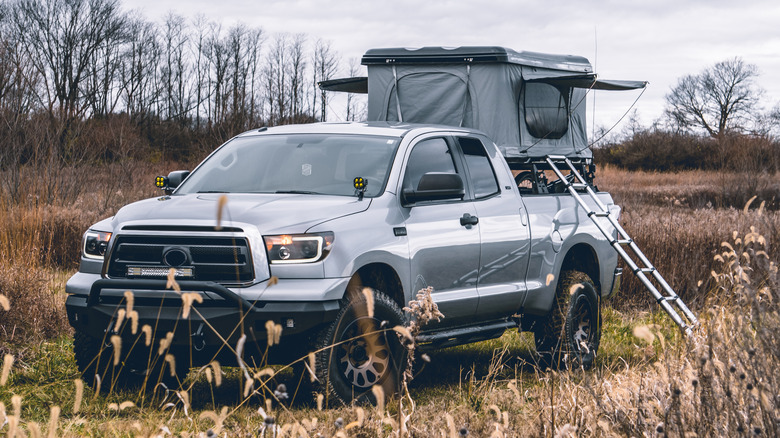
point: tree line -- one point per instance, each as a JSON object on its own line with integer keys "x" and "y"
{"x": 69, "y": 64}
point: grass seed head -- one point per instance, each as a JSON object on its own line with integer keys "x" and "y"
{"x": 129, "y": 300}
{"x": 368, "y": 293}
{"x": 171, "y": 364}
{"x": 217, "y": 372}
{"x": 54, "y": 418}
{"x": 116, "y": 342}
{"x": 4, "y": 303}
{"x": 8, "y": 361}
{"x": 165, "y": 343}
{"x": 79, "y": 384}
{"x": 147, "y": 331}
{"x": 172, "y": 284}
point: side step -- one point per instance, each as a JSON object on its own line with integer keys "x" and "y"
{"x": 464, "y": 335}
{"x": 620, "y": 240}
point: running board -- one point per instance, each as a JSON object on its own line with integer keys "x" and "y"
{"x": 463, "y": 335}
{"x": 620, "y": 240}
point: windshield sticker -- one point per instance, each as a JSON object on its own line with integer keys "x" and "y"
{"x": 306, "y": 169}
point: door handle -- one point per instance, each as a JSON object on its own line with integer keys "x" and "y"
{"x": 468, "y": 220}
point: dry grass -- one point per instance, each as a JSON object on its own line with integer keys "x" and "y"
{"x": 43, "y": 214}
{"x": 680, "y": 239}
{"x": 647, "y": 380}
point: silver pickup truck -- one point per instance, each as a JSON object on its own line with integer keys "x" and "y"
{"x": 437, "y": 207}
{"x": 323, "y": 233}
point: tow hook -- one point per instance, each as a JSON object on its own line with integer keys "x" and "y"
{"x": 198, "y": 340}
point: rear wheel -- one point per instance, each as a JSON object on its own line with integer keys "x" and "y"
{"x": 359, "y": 351}
{"x": 571, "y": 333}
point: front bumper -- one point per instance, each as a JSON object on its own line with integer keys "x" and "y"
{"x": 94, "y": 306}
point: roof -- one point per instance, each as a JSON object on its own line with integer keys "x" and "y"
{"x": 476, "y": 54}
{"x": 387, "y": 129}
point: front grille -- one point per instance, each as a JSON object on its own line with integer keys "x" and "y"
{"x": 220, "y": 259}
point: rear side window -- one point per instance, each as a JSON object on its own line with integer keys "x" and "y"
{"x": 432, "y": 155}
{"x": 483, "y": 179}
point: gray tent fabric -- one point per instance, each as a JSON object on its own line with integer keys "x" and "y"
{"x": 531, "y": 104}
{"x": 448, "y": 103}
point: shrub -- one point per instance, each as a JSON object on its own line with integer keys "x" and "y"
{"x": 658, "y": 150}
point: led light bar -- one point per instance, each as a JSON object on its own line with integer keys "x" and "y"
{"x": 148, "y": 271}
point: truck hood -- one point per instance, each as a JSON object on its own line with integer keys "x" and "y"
{"x": 271, "y": 213}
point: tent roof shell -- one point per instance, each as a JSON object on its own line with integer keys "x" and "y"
{"x": 476, "y": 54}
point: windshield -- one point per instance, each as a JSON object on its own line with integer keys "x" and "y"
{"x": 301, "y": 163}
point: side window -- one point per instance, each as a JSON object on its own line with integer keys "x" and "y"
{"x": 432, "y": 155}
{"x": 546, "y": 110}
{"x": 483, "y": 179}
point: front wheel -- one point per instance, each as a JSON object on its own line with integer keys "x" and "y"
{"x": 570, "y": 334}
{"x": 136, "y": 367}
{"x": 359, "y": 351}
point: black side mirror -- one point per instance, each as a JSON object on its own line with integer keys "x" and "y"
{"x": 170, "y": 182}
{"x": 436, "y": 186}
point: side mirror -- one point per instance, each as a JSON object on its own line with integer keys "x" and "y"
{"x": 435, "y": 186}
{"x": 170, "y": 182}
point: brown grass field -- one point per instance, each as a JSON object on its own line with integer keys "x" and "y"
{"x": 648, "y": 379}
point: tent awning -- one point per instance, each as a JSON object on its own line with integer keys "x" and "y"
{"x": 591, "y": 81}
{"x": 349, "y": 85}
{"x": 360, "y": 84}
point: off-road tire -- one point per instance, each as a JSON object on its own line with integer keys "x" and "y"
{"x": 346, "y": 369}
{"x": 95, "y": 358}
{"x": 570, "y": 334}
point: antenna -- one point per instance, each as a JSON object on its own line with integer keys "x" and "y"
{"x": 595, "y": 68}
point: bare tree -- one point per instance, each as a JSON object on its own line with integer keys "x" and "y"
{"x": 139, "y": 69}
{"x": 175, "y": 70}
{"x": 275, "y": 79}
{"x": 325, "y": 64}
{"x": 62, "y": 38}
{"x": 201, "y": 65}
{"x": 102, "y": 89}
{"x": 718, "y": 100}
{"x": 297, "y": 70}
{"x": 254, "y": 44}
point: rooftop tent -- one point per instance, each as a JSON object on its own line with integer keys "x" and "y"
{"x": 531, "y": 104}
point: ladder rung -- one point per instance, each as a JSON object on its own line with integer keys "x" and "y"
{"x": 556, "y": 157}
{"x": 670, "y": 299}
{"x": 621, "y": 242}
{"x": 598, "y": 213}
{"x": 645, "y": 270}
{"x": 578, "y": 186}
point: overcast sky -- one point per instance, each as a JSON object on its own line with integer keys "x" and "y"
{"x": 658, "y": 41}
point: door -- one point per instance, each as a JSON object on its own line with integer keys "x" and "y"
{"x": 503, "y": 229}
{"x": 443, "y": 240}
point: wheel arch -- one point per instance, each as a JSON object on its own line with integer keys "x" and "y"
{"x": 382, "y": 277}
{"x": 583, "y": 257}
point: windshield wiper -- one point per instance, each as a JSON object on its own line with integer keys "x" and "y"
{"x": 297, "y": 192}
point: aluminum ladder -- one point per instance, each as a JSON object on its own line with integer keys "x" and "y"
{"x": 665, "y": 296}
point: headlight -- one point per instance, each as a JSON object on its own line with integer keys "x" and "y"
{"x": 95, "y": 244}
{"x": 298, "y": 248}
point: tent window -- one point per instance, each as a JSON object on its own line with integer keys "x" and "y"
{"x": 431, "y": 97}
{"x": 546, "y": 110}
